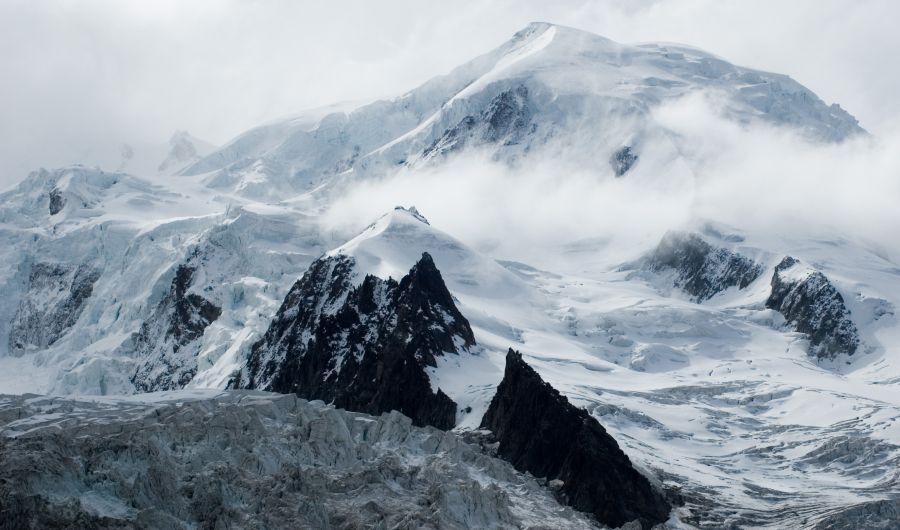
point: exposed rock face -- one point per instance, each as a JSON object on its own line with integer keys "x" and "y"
{"x": 701, "y": 270}
{"x": 812, "y": 305}
{"x": 250, "y": 460}
{"x": 54, "y": 301}
{"x": 57, "y": 201}
{"x": 622, "y": 160}
{"x": 168, "y": 339}
{"x": 505, "y": 121}
{"x": 364, "y": 347}
{"x": 539, "y": 431}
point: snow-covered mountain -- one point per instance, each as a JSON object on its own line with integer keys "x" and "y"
{"x": 550, "y": 90}
{"x": 754, "y": 377}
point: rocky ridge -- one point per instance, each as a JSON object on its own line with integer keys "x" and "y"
{"x": 363, "y": 347}
{"x": 539, "y": 431}
{"x": 812, "y": 305}
{"x": 699, "y": 268}
{"x": 56, "y": 297}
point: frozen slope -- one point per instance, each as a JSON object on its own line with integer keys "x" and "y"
{"x": 720, "y": 397}
{"x": 546, "y": 91}
{"x": 130, "y": 237}
{"x": 724, "y": 398}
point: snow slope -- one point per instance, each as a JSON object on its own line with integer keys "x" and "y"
{"x": 699, "y": 392}
{"x": 720, "y": 397}
{"x": 549, "y": 90}
{"x": 134, "y": 235}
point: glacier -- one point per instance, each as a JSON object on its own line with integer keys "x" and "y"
{"x": 171, "y": 275}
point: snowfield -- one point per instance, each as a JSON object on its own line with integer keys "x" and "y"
{"x": 716, "y": 395}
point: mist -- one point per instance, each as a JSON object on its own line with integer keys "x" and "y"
{"x": 773, "y": 183}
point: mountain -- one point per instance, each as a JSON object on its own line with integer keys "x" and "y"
{"x": 758, "y": 390}
{"x": 144, "y": 252}
{"x": 541, "y": 93}
{"x": 363, "y": 347}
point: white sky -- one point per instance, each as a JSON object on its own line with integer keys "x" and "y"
{"x": 90, "y": 75}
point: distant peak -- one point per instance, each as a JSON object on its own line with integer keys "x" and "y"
{"x": 532, "y": 28}
{"x": 535, "y": 29}
{"x": 413, "y": 212}
{"x": 180, "y": 136}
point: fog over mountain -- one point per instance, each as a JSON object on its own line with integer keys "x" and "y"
{"x": 87, "y": 77}
{"x": 566, "y": 274}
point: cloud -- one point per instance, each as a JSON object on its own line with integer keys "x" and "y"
{"x": 773, "y": 181}
{"x": 510, "y": 212}
{"x": 83, "y": 77}
{"x": 763, "y": 180}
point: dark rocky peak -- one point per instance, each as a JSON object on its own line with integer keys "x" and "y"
{"x": 812, "y": 305}
{"x": 700, "y": 269}
{"x": 431, "y": 322}
{"x": 622, "y": 160}
{"x": 168, "y": 341}
{"x": 363, "y": 347}
{"x": 539, "y": 431}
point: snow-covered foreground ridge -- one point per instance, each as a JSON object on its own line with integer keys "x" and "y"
{"x": 764, "y": 388}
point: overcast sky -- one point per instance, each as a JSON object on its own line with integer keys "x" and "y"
{"x": 82, "y": 76}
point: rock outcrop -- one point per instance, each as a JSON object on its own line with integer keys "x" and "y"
{"x": 700, "y": 269}
{"x": 363, "y": 347}
{"x": 57, "y": 201}
{"x": 167, "y": 340}
{"x": 622, "y": 160}
{"x": 506, "y": 120}
{"x": 52, "y": 303}
{"x": 182, "y": 151}
{"x": 812, "y": 305}
{"x": 539, "y": 431}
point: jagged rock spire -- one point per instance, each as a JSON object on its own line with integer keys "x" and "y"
{"x": 539, "y": 431}
{"x": 363, "y": 347}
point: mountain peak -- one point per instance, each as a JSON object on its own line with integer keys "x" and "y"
{"x": 539, "y": 431}
{"x": 538, "y": 28}
{"x": 531, "y": 94}
{"x": 413, "y": 212}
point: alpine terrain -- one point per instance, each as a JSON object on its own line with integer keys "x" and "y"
{"x": 207, "y": 341}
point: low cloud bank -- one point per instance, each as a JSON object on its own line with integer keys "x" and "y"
{"x": 764, "y": 180}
